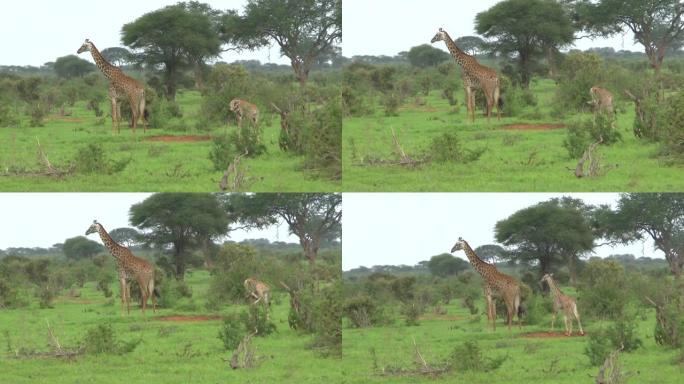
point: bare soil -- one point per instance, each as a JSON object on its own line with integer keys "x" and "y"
{"x": 191, "y": 319}
{"x": 179, "y": 138}
{"x": 533, "y": 127}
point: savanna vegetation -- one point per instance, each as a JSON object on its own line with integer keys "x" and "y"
{"x": 61, "y": 315}
{"x": 428, "y": 322}
{"x": 406, "y": 125}
{"x": 56, "y": 132}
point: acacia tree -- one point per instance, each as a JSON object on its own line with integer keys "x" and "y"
{"x": 545, "y": 233}
{"x": 72, "y": 66}
{"x": 312, "y": 217}
{"x": 80, "y": 247}
{"x": 525, "y": 29}
{"x": 117, "y": 55}
{"x": 446, "y": 265}
{"x": 183, "y": 221}
{"x": 126, "y": 236}
{"x": 472, "y": 45}
{"x": 425, "y": 55}
{"x": 303, "y": 29}
{"x": 659, "y": 216}
{"x": 174, "y": 37}
{"x": 491, "y": 253}
{"x": 656, "y": 24}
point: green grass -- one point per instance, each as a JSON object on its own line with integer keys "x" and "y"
{"x": 154, "y": 166}
{"x": 530, "y": 360}
{"x": 515, "y": 160}
{"x": 158, "y": 359}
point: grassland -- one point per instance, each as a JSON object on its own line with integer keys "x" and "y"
{"x": 529, "y": 360}
{"x": 155, "y": 165}
{"x": 170, "y": 352}
{"x": 514, "y": 160}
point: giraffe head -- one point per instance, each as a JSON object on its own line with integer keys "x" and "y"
{"x": 547, "y": 277}
{"x": 93, "y": 228}
{"x": 87, "y": 45}
{"x": 460, "y": 244}
{"x": 441, "y": 35}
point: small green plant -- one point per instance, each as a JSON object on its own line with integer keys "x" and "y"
{"x": 102, "y": 340}
{"x": 391, "y": 101}
{"x": 232, "y": 332}
{"x": 447, "y": 148}
{"x": 412, "y": 312}
{"x": 469, "y": 357}
{"x": 93, "y": 158}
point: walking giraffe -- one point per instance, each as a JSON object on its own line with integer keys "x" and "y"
{"x": 119, "y": 84}
{"x": 474, "y": 75}
{"x": 496, "y": 284}
{"x": 564, "y": 302}
{"x": 128, "y": 267}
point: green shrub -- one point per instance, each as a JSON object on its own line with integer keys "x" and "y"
{"x": 577, "y": 139}
{"x": 577, "y": 74}
{"x": 232, "y": 332}
{"x": 222, "y": 153}
{"x": 102, "y": 340}
{"x": 356, "y": 102}
{"x": 469, "y": 357}
{"x": 602, "y": 292}
{"x": 620, "y": 335}
{"x": 93, "y": 158}
{"x": 327, "y": 338}
{"x": 391, "y": 101}
{"x": 323, "y": 140}
{"x": 412, "y": 312}
{"x": 447, "y": 148}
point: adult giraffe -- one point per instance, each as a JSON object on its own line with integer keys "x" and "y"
{"x": 474, "y": 75}
{"x": 119, "y": 85}
{"x": 128, "y": 267}
{"x": 496, "y": 284}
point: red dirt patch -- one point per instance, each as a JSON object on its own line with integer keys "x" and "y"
{"x": 179, "y": 138}
{"x": 528, "y": 127}
{"x": 550, "y": 334}
{"x": 67, "y": 119}
{"x": 191, "y": 319}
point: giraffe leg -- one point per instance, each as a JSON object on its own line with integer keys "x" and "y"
{"x": 565, "y": 319}
{"x": 115, "y": 115}
{"x": 134, "y": 111}
{"x": 553, "y": 320}
{"x": 579, "y": 323}
{"x": 497, "y": 96}
{"x": 491, "y": 311}
{"x": 128, "y": 298}
{"x": 150, "y": 292}
{"x": 471, "y": 103}
{"x": 141, "y": 112}
{"x": 516, "y": 309}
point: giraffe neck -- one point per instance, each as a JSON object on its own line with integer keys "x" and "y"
{"x": 106, "y": 68}
{"x": 555, "y": 291}
{"x": 461, "y": 57}
{"x": 113, "y": 246}
{"x": 480, "y": 266}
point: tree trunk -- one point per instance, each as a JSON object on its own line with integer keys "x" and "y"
{"x": 170, "y": 83}
{"x": 572, "y": 270}
{"x": 524, "y": 71}
{"x": 179, "y": 260}
{"x": 301, "y": 71}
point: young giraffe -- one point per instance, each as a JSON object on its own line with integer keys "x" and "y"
{"x": 128, "y": 267}
{"x": 258, "y": 290}
{"x": 121, "y": 84}
{"x": 564, "y": 302}
{"x": 602, "y": 100}
{"x": 496, "y": 283}
{"x": 474, "y": 75}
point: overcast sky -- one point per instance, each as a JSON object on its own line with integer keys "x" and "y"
{"x": 37, "y": 31}
{"x": 387, "y": 27}
{"x": 406, "y": 228}
{"x": 43, "y": 219}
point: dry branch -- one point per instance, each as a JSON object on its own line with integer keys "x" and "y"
{"x": 243, "y": 356}
{"x": 234, "y": 177}
{"x": 594, "y": 162}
